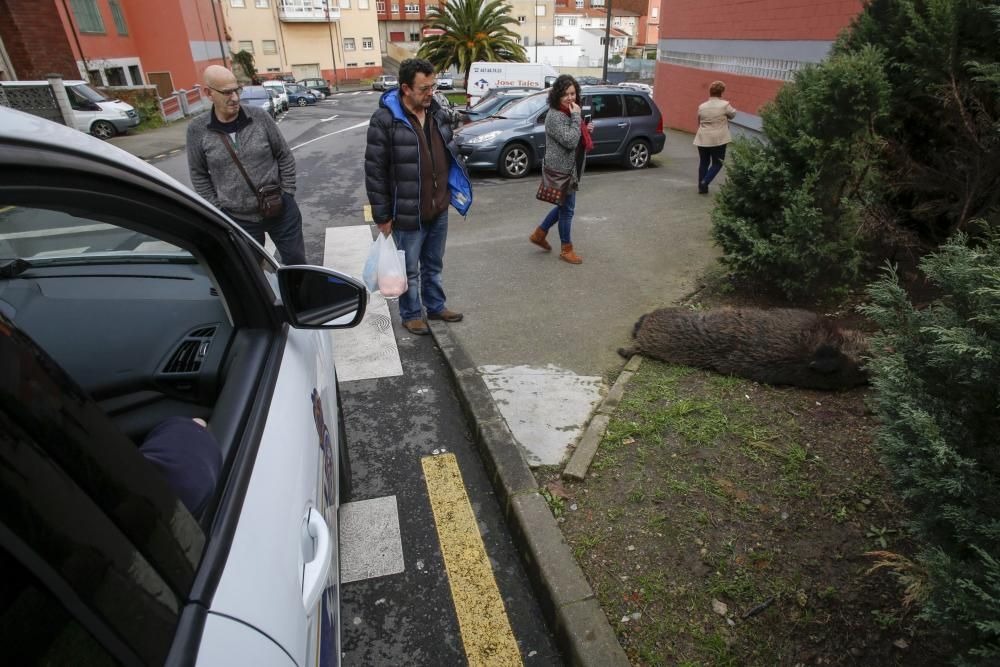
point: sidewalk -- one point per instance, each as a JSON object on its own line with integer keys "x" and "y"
{"x": 172, "y": 137}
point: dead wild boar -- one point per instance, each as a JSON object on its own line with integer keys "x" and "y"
{"x": 779, "y": 346}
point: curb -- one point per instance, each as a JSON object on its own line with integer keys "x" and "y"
{"x": 584, "y": 453}
{"x": 571, "y": 610}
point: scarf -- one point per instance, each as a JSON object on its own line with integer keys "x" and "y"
{"x": 588, "y": 143}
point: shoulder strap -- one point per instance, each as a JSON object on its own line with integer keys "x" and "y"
{"x": 232, "y": 153}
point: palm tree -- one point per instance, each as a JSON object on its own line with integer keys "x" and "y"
{"x": 473, "y": 30}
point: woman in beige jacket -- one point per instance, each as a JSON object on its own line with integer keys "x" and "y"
{"x": 713, "y": 134}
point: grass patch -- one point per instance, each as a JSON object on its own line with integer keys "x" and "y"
{"x": 718, "y": 491}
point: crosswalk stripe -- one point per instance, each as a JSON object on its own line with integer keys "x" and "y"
{"x": 368, "y": 350}
{"x": 482, "y": 618}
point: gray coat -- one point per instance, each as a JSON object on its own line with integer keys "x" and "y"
{"x": 562, "y": 143}
{"x": 262, "y": 150}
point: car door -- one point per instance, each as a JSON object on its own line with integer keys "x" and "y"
{"x": 262, "y": 563}
{"x": 610, "y": 125}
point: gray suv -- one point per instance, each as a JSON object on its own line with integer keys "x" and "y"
{"x": 628, "y": 128}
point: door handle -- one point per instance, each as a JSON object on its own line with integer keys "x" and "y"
{"x": 316, "y": 567}
{"x": 622, "y": 124}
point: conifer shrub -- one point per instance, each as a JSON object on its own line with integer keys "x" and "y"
{"x": 936, "y": 374}
{"x": 789, "y": 212}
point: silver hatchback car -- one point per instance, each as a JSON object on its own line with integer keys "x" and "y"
{"x": 628, "y": 128}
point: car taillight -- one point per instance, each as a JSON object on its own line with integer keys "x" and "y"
{"x": 659, "y": 125}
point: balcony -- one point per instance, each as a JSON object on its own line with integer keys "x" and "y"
{"x": 308, "y": 10}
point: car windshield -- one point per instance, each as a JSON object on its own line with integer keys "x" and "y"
{"x": 526, "y": 106}
{"x": 48, "y": 236}
{"x": 255, "y": 94}
{"x": 89, "y": 94}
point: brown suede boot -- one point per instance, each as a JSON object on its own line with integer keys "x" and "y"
{"x": 538, "y": 238}
{"x": 567, "y": 254}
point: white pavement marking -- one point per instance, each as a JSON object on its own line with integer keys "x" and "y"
{"x": 370, "y": 543}
{"x": 60, "y": 231}
{"x": 323, "y": 120}
{"x": 368, "y": 350}
{"x": 345, "y": 129}
{"x": 546, "y": 408}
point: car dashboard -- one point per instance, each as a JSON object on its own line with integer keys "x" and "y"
{"x": 145, "y": 338}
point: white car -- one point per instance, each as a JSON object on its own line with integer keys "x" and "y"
{"x": 126, "y": 299}
{"x": 445, "y": 82}
{"x": 92, "y": 111}
{"x": 279, "y": 87}
{"x": 385, "y": 82}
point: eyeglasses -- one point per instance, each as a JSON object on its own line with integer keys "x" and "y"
{"x": 424, "y": 89}
{"x": 229, "y": 91}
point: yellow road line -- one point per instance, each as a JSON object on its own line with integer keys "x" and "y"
{"x": 486, "y": 632}
{"x": 368, "y": 213}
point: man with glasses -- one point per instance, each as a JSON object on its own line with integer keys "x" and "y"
{"x": 254, "y": 138}
{"x": 412, "y": 174}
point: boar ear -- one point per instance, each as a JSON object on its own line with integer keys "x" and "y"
{"x": 826, "y": 360}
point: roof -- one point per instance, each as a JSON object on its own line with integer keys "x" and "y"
{"x": 593, "y": 13}
{"x": 615, "y": 32}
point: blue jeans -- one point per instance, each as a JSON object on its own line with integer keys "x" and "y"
{"x": 710, "y": 163}
{"x": 286, "y": 232}
{"x": 564, "y": 214}
{"x": 424, "y": 249}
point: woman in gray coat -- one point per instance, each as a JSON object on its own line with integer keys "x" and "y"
{"x": 567, "y": 139}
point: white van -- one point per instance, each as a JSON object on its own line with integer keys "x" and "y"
{"x": 484, "y": 76}
{"x": 279, "y": 87}
{"x": 92, "y": 111}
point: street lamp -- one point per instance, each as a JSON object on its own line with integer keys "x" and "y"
{"x": 607, "y": 43}
{"x": 333, "y": 51}
{"x": 536, "y": 31}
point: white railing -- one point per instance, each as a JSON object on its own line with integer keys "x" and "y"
{"x": 304, "y": 10}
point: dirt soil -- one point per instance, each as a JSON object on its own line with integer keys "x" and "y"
{"x": 728, "y": 523}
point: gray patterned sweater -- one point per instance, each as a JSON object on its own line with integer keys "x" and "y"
{"x": 562, "y": 142}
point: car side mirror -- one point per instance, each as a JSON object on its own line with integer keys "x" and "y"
{"x": 319, "y": 298}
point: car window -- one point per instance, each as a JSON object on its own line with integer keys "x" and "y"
{"x": 526, "y": 106}
{"x": 636, "y": 105}
{"x": 50, "y": 236}
{"x": 46, "y": 633}
{"x": 606, "y": 105}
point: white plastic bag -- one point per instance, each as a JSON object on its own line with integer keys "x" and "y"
{"x": 370, "y": 274}
{"x": 391, "y": 269}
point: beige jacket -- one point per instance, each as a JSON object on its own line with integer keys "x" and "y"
{"x": 713, "y": 122}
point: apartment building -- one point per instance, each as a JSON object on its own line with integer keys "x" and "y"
{"x": 337, "y": 41}
{"x": 648, "y": 19}
{"x": 754, "y": 46}
{"x": 112, "y": 42}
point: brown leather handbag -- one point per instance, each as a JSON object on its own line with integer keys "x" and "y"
{"x": 554, "y": 186}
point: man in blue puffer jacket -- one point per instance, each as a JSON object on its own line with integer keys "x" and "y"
{"x": 412, "y": 174}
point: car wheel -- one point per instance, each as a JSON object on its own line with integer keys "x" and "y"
{"x": 637, "y": 154}
{"x": 515, "y": 162}
{"x": 102, "y": 129}
{"x": 302, "y": 102}
{"x": 344, "y": 458}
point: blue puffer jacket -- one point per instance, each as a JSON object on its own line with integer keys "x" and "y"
{"x": 392, "y": 165}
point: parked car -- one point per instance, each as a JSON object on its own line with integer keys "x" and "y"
{"x": 275, "y": 99}
{"x": 126, "y": 299}
{"x": 322, "y": 85}
{"x": 93, "y": 112}
{"x": 493, "y": 105}
{"x": 279, "y": 87}
{"x": 445, "y": 82}
{"x": 385, "y": 82}
{"x": 628, "y": 127}
{"x": 299, "y": 95}
{"x": 259, "y": 96}
{"x": 590, "y": 81}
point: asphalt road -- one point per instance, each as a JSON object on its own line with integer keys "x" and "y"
{"x": 392, "y": 423}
